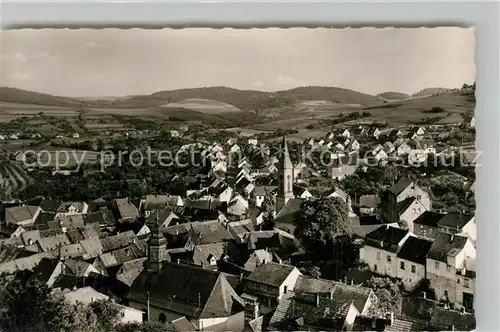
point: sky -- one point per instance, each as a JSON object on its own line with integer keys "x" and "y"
{"x": 117, "y": 62}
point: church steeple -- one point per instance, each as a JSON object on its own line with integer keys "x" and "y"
{"x": 157, "y": 244}
{"x": 285, "y": 177}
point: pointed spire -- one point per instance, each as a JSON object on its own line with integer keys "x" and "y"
{"x": 285, "y": 161}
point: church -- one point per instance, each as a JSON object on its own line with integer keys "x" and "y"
{"x": 166, "y": 291}
{"x": 289, "y": 197}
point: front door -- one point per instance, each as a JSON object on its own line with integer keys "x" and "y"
{"x": 468, "y": 301}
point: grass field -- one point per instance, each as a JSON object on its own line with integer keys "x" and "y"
{"x": 204, "y": 106}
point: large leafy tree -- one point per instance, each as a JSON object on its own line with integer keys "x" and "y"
{"x": 389, "y": 295}
{"x": 322, "y": 221}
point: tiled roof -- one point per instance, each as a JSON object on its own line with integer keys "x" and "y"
{"x": 92, "y": 247}
{"x": 187, "y": 290}
{"x": 71, "y": 221}
{"x": 386, "y": 237}
{"x": 290, "y": 211}
{"x": 401, "y": 185}
{"x": 311, "y": 285}
{"x": 72, "y": 250}
{"x": 130, "y": 270}
{"x": 76, "y": 266}
{"x": 101, "y": 217}
{"x": 53, "y": 242}
{"x": 84, "y": 295}
{"x": 126, "y": 208}
{"x": 454, "y": 220}
{"x": 203, "y": 253}
{"x": 49, "y": 205}
{"x": 446, "y": 318}
{"x": 30, "y": 237}
{"x": 271, "y": 274}
{"x": 429, "y": 218}
{"x": 445, "y": 245}
{"x": 18, "y": 214}
{"x": 118, "y": 241}
{"x": 302, "y": 314}
{"x": 415, "y": 250}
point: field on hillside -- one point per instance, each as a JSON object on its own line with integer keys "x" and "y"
{"x": 64, "y": 158}
{"x": 204, "y": 106}
{"x": 413, "y": 110}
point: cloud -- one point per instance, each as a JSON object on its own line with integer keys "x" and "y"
{"x": 287, "y": 80}
{"x": 20, "y": 76}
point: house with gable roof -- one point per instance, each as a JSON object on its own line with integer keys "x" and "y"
{"x": 168, "y": 291}
{"x": 381, "y": 248}
{"x": 271, "y": 281}
{"x": 411, "y": 260}
{"x": 401, "y": 193}
{"x": 22, "y": 215}
{"x": 449, "y": 256}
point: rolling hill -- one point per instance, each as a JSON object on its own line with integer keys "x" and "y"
{"x": 19, "y": 96}
{"x": 429, "y": 92}
{"x": 390, "y": 95}
{"x": 242, "y": 99}
{"x": 338, "y": 95}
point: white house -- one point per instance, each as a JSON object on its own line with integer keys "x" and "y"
{"x": 449, "y": 256}
{"x": 253, "y": 141}
{"x": 403, "y": 149}
{"x": 71, "y": 208}
{"x": 270, "y": 281}
{"x": 411, "y": 261}
{"x": 381, "y": 248}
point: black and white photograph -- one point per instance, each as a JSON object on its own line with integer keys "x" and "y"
{"x": 252, "y": 180}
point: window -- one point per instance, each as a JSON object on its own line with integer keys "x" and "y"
{"x": 402, "y": 265}
{"x": 413, "y": 269}
{"x": 414, "y": 211}
{"x": 378, "y": 255}
{"x": 375, "y": 268}
{"x": 162, "y": 318}
{"x": 466, "y": 282}
{"x": 448, "y": 268}
{"x": 285, "y": 289}
{"x": 436, "y": 265}
{"x": 419, "y": 197}
{"x": 388, "y": 259}
{"x": 418, "y": 210}
{"x": 458, "y": 281}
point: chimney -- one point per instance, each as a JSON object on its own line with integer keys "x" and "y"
{"x": 452, "y": 328}
{"x": 425, "y": 295}
{"x": 391, "y": 318}
{"x": 178, "y": 260}
{"x": 352, "y": 282}
{"x": 317, "y": 300}
{"x": 241, "y": 277}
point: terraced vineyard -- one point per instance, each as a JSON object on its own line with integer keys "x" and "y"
{"x": 13, "y": 178}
